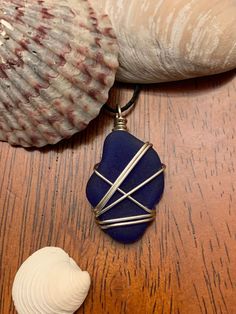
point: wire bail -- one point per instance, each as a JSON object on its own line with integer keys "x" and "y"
{"x": 120, "y": 123}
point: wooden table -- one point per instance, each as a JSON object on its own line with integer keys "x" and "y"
{"x": 186, "y": 261}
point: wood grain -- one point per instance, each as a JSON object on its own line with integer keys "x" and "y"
{"x": 185, "y": 263}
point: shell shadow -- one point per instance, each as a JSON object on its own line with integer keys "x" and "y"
{"x": 96, "y": 127}
{"x": 189, "y": 87}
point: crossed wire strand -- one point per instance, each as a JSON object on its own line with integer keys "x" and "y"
{"x": 101, "y": 208}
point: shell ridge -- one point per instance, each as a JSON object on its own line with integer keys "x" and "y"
{"x": 13, "y": 91}
{"x": 60, "y": 25}
{"x": 67, "y": 97}
{"x": 3, "y": 102}
{"x": 27, "y": 286}
{"x": 95, "y": 93}
{"x": 10, "y": 49}
{"x": 14, "y": 112}
{"x": 86, "y": 87}
{"x": 45, "y": 100}
{"x": 56, "y": 84}
{"x": 32, "y": 45}
{"x": 32, "y": 304}
{"x": 45, "y": 37}
{"x": 9, "y": 134}
{"x": 37, "y": 9}
{"x": 5, "y": 118}
{"x": 20, "y": 28}
{"x": 19, "y": 293}
{"x": 42, "y": 96}
{"x": 98, "y": 57}
{"x": 95, "y": 16}
{"x": 76, "y": 82}
{"x": 29, "y": 81}
{"x": 58, "y": 303}
{"x": 80, "y": 287}
{"x": 48, "y": 283}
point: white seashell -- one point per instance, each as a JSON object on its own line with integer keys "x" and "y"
{"x": 49, "y": 282}
{"x": 166, "y": 40}
{"x": 58, "y": 60}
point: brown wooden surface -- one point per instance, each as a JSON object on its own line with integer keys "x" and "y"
{"x": 186, "y": 261}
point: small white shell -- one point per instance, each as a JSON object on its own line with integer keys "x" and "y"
{"x": 49, "y": 282}
{"x": 58, "y": 60}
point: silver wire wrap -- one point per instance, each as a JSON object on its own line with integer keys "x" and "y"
{"x": 101, "y": 208}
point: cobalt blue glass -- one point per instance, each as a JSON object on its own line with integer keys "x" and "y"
{"x": 119, "y": 149}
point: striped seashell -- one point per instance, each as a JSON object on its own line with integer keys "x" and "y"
{"x": 49, "y": 282}
{"x": 58, "y": 62}
{"x": 169, "y": 40}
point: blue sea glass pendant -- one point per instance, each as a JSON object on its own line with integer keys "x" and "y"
{"x": 126, "y": 186}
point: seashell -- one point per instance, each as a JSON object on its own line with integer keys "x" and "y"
{"x": 58, "y": 62}
{"x": 172, "y": 40}
{"x": 49, "y": 282}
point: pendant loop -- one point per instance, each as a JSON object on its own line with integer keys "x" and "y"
{"x": 137, "y": 90}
